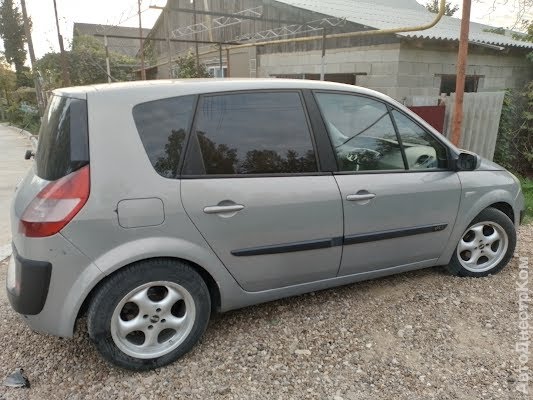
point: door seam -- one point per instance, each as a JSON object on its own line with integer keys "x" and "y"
{"x": 343, "y": 224}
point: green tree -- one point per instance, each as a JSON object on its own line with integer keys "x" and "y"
{"x": 514, "y": 148}
{"x": 8, "y": 82}
{"x": 87, "y": 64}
{"x": 12, "y": 32}
{"x": 434, "y": 7}
{"x": 186, "y": 68}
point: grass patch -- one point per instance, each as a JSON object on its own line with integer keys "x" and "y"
{"x": 527, "y": 188}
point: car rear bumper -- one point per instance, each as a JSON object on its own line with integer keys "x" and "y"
{"x": 27, "y": 284}
{"x": 48, "y": 280}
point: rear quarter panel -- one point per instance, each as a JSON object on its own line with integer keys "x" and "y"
{"x": 120, "y": 169}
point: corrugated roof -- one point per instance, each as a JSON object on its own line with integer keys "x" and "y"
{"x": 385, "y": 14}
{"x": 81, "y": 28}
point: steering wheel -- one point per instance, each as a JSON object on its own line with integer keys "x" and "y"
{"x": 425, "y": 161}
{"x": 361, "y": 156}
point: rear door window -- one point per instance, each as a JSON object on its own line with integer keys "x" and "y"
{"x": 251, "y": 133}
{"x": 63, "y": 138}
{"x": 163, "y": 126}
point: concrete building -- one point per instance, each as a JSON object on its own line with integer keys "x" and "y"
{"x": 401, "y": 65}
{"x": 128, "y": 44}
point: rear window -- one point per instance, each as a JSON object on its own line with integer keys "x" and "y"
{"x": 63, "y": 138}
{"x": 251, "y": 133}
{"x": 163, "y": 126}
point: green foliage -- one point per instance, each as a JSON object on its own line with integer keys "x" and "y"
{"x": 504, "y": 154}
{"x": 13, "y": 35}
{"x": 87, "y": 64}
{"x": 527, "y": 189}
{"x": 186, "y": 68}
{"x": 434, "y": 7}
{"x": 497, "y": 31}
{"x": 514, "y": 148}
{"x": 8, "y": 82}
{"x": 22, "y": 112}
{"x": 526, "y": 37}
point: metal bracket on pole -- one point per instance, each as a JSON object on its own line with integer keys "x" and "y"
{"x": 107, "y": 64}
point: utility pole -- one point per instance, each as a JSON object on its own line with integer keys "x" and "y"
{"x": 209, "y": 21}
{"x": 462, "y": 59}
{"x": 64, "y": 63}
{"x": 221, "y": 65}
{"x": 107, "y": 63}
{"x": 323, "y": 60}
{"x": 27, "y": 29}
{"x": 167, "y": 14}
{"x": 195, "y": 35}
{"x": 143, "y": 71}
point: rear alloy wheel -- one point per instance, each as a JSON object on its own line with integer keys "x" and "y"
{"x": 486, "y": 246}
{"x": 153, "y": 319}
{"x": 149, "y": 314}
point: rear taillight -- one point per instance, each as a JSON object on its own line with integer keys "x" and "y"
{"x": 56, "y": 205}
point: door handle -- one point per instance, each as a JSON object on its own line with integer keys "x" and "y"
{"x": 223, "y": 209}
{"x": 360, "y": 197}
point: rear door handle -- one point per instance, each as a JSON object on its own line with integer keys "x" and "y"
{"x": 223, "y": 209}
{"x": 360, "y": 197}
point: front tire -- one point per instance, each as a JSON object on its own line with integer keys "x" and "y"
{"x": 486, "y": 246}
{"x": 149, "y": 314}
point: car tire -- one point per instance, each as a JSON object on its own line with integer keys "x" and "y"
{"x": 486, "y": 246}
{"x": 149, "y": 314}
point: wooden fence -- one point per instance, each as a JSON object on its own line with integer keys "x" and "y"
{"x": 482, "y": 112}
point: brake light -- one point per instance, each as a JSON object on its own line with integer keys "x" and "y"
{"x": 57, "y": 204}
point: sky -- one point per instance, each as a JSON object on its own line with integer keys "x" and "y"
{"x": 124, "y": 12}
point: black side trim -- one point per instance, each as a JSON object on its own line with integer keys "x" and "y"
{"x": 396, "y": 233}
{"x": 337, "y": 241}
{"x": 289, "y": 247}
{"x": 34, "y": 279}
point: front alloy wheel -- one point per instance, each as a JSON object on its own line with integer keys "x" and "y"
{"x": 486, "y": 246}
{"x": 482, "y": 247}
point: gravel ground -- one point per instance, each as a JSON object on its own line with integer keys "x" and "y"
{"x": 419, "y": 335}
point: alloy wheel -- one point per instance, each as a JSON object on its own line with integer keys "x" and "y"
{"x": 153, "y": 319}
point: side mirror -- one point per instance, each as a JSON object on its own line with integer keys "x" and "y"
{"x": 29, "y": 154}
{"x": 467, "y": 161}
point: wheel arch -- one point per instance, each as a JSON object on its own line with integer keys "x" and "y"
{"x": 505, "y": 208}
{"x": 219, "y": 281}
{"x": 499, "y": 199}
{"x": 212, "y": 286}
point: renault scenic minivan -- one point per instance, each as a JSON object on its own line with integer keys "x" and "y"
{"x": 151, "y": 205}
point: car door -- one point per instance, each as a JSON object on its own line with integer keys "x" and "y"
{"x": 251, "y": 185}
{"x": 400, "y": 199}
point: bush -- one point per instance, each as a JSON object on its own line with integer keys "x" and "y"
{"x": 24, "y": 116}
{"x": 514, "y": 148}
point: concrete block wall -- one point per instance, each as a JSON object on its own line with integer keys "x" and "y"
{"x": 379, "y": 62}
{"x": 419, "y": 70}
{"x": 401, "y": 71}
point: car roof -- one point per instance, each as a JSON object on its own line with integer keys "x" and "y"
{"x": 210, "y": 85}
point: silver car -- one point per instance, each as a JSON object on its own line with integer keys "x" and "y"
{"x": 151, "y": 205}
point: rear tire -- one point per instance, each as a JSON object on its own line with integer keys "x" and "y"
{"x": 486, "y": 246}
{"x": 149, "y": 314}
